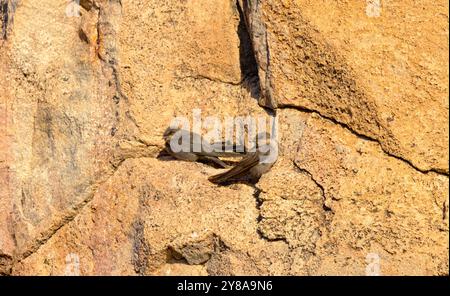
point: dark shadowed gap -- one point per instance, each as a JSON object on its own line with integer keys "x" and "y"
{"x": 248, "y": 64}
{"x": 7, "y": 9}
{"x": 4, "y": 17}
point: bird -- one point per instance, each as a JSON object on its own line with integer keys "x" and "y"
{"x": 253, "y": 165}
{"x": 207, "y": 151}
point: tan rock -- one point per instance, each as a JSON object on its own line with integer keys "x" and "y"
{"x": 381, "y": 70}
{"x": 380, "y": 205}
{"x": 85, "y": 100}
{"x": 60, "y": 114}
{"x": 155, "y": 218}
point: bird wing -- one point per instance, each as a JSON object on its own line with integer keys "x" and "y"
{"x": 241, "y": 169}
{"x": 229, "y": 146}
{"x": 198, "y": 145}
{"x": 226, "y": 149}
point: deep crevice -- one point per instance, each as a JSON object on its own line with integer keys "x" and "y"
{"x": 247, "y": 59}
{"x": 174, "y": 256}
{"x": 5, "y": 264}
{"x": 4, "y": 16}
{"x": 259, "y": 203}
{"x": 7, "y": 9}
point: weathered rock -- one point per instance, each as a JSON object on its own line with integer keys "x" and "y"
{"x": 362, "y": 173}
{"x": 352, "y": 201}
{"x": 155, "y": 218}
{"x": 378, "y": 67}
{"x": 59, "y": 118}
{"x": 380, "y": 205}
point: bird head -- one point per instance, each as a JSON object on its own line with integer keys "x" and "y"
{"x": 169, "y": 132}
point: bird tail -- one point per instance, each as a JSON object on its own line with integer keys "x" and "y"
{"x": 217, "y": 179}
{"x": 220, "y": 178}
{"x": 241, "y": 169}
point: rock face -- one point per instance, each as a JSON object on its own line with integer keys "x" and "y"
{"x": 360, "y": 91}
{"x": 378, "y": 67}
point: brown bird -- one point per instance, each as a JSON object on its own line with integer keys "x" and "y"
{"x": 253, "y": 165}
{"x": 174, "y": 138}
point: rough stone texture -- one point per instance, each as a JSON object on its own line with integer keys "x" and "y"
{"x": 363, "y": 122}
{"x": 384, "y": 74}
{"x": 59, "y": 116}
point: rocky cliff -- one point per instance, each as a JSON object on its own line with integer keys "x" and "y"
{"x": 360, "y": 91}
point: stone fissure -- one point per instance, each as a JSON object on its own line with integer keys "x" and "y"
{"x": 66, "y": 219}
{"x": 320, "y": 186}
{"x": 365, "y": 137}
{"x": 7, "y": 9}
{"x": 258, "y": 35}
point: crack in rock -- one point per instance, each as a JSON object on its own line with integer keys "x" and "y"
{"x": 7, "y": 9}
{"x": 258, "y": 35}
{"x": 326, "y": 207}
{"x": 365, "y": 137}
